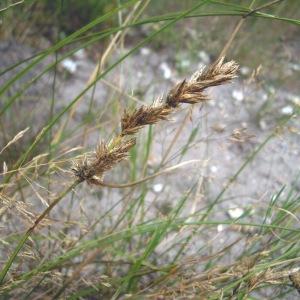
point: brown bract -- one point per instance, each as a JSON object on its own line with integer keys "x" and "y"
{"x": 105, "y": 157}
{"x": 145, "y": 115}
{"x": 192, "y": 91}
{"x": 217, "y": 74}
{"x": 185, "y": 92}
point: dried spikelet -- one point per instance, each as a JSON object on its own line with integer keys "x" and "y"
{"x": 145, "y": 115}
{"x": 104, "y": 158}
{"x": 192, "y": 91}
{"x": 185, "y": 92}
{"x": 217, "y": 74}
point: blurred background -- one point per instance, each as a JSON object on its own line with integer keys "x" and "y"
{"x": 72, "y": 67}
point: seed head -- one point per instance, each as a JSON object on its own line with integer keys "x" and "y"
{"x": 192, "y": 91}
{"x": 105, "y": 158}
{"x": 145, "y": 115}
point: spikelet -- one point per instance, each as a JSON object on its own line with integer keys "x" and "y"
{"x": 185, "y": 92}
{"x": 104, "y": 159}
{"x": 145, "y": 115}
{"x": 192, "y": 91}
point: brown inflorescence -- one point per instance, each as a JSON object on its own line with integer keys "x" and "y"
{"x": 192, "y": 91}
{"x": 145, "y": 115}
{"x": 104, "y": 159}
{"x": 188, "y": 91}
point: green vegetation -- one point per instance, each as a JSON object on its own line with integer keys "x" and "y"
{"x": 80, "y": 218}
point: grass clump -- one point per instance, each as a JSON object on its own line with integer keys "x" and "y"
{"x": 107, "y": 155}
{"x": 135, "y": 240}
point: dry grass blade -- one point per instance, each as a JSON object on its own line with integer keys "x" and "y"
{"x": 15, "y": 139}
{"x": 202, "y": 285}
{"x": 11, "y": 5}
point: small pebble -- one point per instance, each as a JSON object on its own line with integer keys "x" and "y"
{"x": 167, "y": 72}
{"x": 145, "y": 51}
{"x": 69, "y": 65}
{"x": 245, "y": 70}
{"x": 238, "y": 95}
{"x": 287, "y": 110}
{"x": 158, "y": 187}
{"x": 236, "y": 212}
{"x": 214, "y": 169}
{"x": 218, "y": 127}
